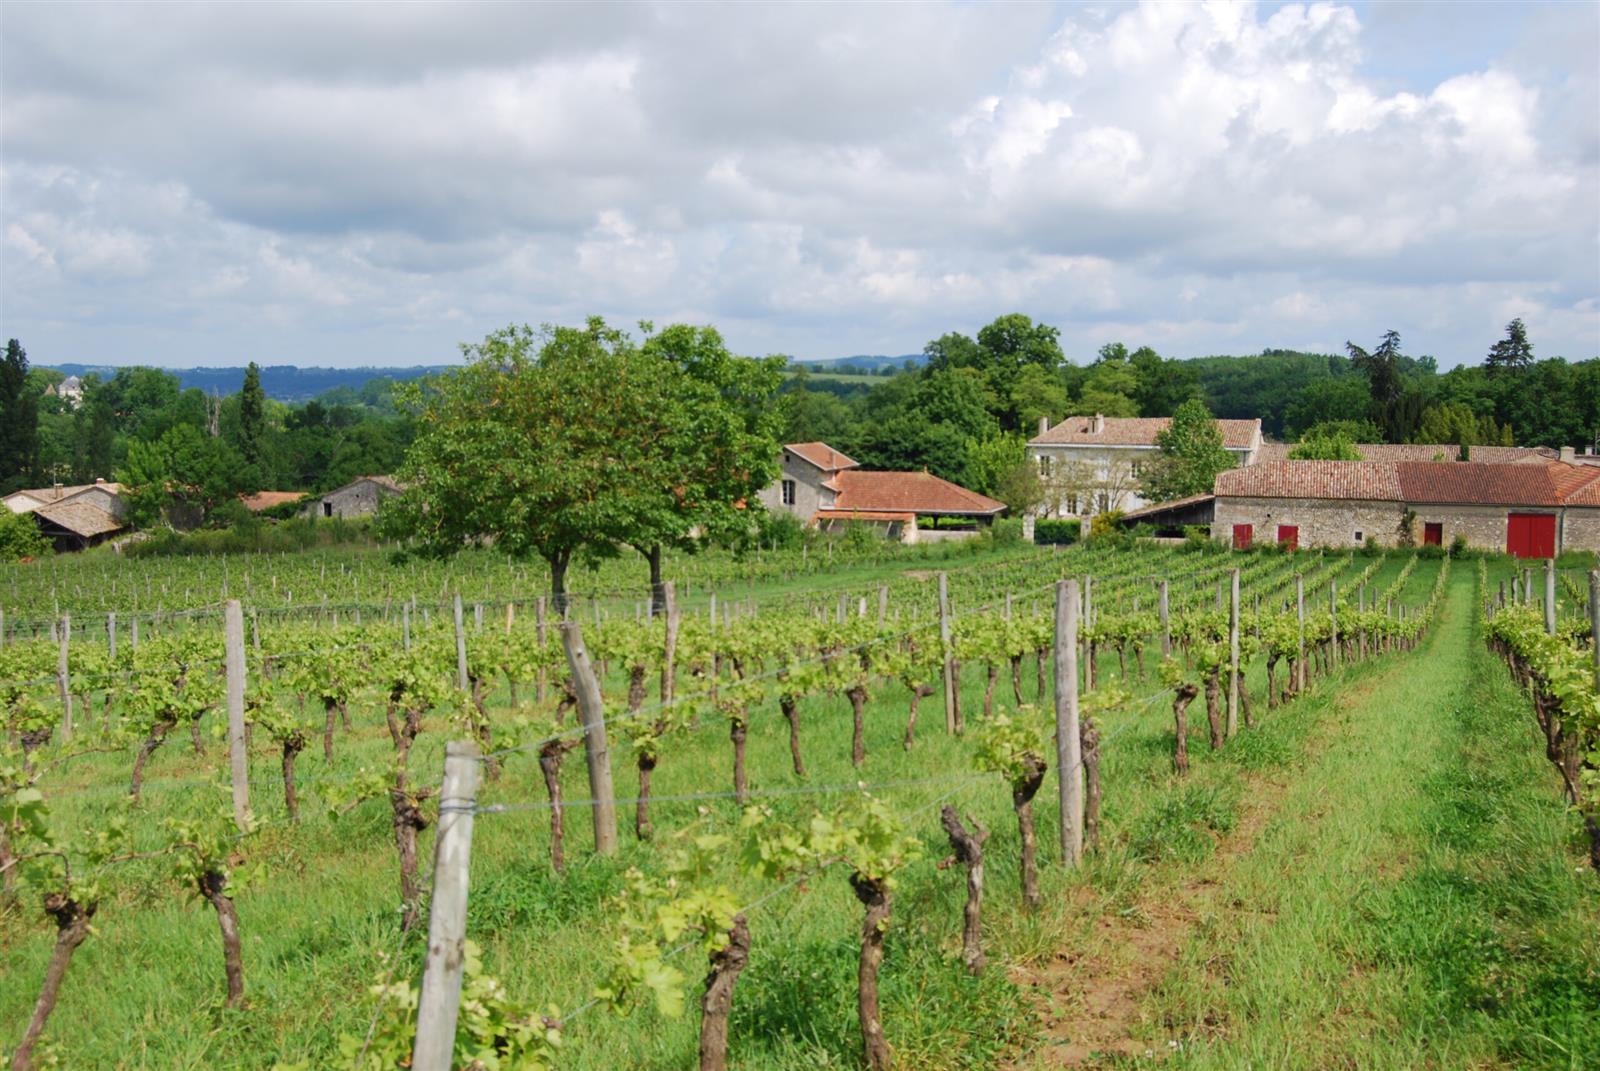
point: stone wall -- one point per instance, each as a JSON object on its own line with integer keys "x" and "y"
{"x": 358, "y": 500}
{"x": 1334, "y": 523}
{"x": 809, "y": 494}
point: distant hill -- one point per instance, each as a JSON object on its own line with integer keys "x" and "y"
{"x": 861, "y": 362}
{"x": 283, "y": 382}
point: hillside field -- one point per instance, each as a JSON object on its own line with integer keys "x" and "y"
{"x": 1378, "y": 870}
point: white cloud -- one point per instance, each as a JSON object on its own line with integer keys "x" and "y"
{"x": 1198, "y": 176}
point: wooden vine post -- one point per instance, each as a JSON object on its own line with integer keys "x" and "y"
{"x": 1233, "y": 654}
{"x": 1166, "y": 623}
{"x": 948, "y": 648}
{"x": 440, "y": 999}
{"x": 1594, "y": 621}
{"x": 238, "y": 760}
{"x": 1300, "y": 612}
{"x": 669, "y": 671}
{"x": 591, "y": 713}
{"x": 1333, "y": 613}
{"x": 63, "y": 681}
{"x": 1068, "y": 743}
{"x": 461, "y": 646}
{"x": 1550, "y": 597}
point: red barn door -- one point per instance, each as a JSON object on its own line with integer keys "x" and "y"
{"x": 1289, "y": 536}
{"x": 1531, "y": 535}
{"x": 1242, "y": 535}
{"x": 1433, "y": 534}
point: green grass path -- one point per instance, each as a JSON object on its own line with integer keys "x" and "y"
{"x": 1412, "y": 899}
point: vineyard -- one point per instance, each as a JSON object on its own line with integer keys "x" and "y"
{"x": 1316, "y": 808}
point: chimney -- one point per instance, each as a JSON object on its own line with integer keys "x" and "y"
{"x": 1569, "y": 455}
{"x": 1044, "y": 424}
{"x": 1098, "y": 425}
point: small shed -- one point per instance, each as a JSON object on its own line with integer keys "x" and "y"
{"x": 358, "y": 498}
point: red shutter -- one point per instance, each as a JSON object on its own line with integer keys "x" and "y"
{"x": 1531, "y": 535}
{"x": 1289, "y": 536}
{"x": 1242, "y": 535}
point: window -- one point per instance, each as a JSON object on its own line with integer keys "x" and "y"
{"x": 1105, "y": 501}
{"x": 1044, "y": 464}
{"x": 327, "y": 509}
{"x": 788, "y": 492}
{"x": 1358, "y": 535}
{"x": 1072, "y": 504}
{"x": 1137, "y": 469}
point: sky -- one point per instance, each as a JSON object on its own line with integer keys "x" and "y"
{"x": 373, "y": 184}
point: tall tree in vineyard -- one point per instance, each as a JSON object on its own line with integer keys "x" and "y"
{"x": 547, "y": 443}
{"x": 252, "y": 415}
{"x": 19, "y": 420}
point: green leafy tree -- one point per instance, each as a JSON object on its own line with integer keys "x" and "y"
{"x": 19, "y": 420}
{"x": 185, "y": 475}
{"x": 1163, "y": 384}
{"x": 1514, "y": 353}
{"x": 1190, "y": 455}
{"x": 252, "y": 415}
{"x": 20, "y": 537}
{"x": 1325, "y": 446}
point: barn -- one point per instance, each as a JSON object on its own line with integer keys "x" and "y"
{"x": 1531, "y": 510}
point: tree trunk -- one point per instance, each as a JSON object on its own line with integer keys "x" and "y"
{"x": 1244, "y": 702}
{"x": 1016, "y": 678}
{"x": 558, "y": 563}
{"x": 1089, "y": 737}
{"x": 658, "y": 590}
{"x": 293, "y": 744}
{"x": 988, "y": 689}
{"x": 72, "y": 926}
{"x": 726, "y": 964}
{"x": 1272, "y": 680}
{"x": 195, "y": 742}
{"x": 550, "y": 756}
{"x": 1214, "y": 706}
{"x": 791, "y": 714}
{"x": 968, "y": 849}
{"x": 1039, "y": 664}
{"x": 738, "y": 731}
{"x": 214, "y": 887}
{"x": 875, "y": 896}
{"x": 858, "y": 738}
{"x": 344, "y": 715}
{"x": 158, "y": 734}
{"x": 1022, "y": 793}
{"x": 1180, "y": 707}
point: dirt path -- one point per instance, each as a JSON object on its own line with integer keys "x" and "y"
{"x": 1093, "y": 997}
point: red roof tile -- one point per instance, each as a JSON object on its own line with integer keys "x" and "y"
{"x": 821, "y": 455}
{"x": 1494, "y": 455}
{"x": 908, "y": 492}
{"x": 267, "y": 499}
{"x": 1138, "y": 431}
{"x": 1553, "y": 483}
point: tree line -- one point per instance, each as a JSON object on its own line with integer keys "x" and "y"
{"x": 186, "y": 448}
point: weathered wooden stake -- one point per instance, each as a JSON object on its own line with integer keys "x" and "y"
{"x": 1550, "y": 597}
{"x": 1594, "y": 621}
{"x": 63, "y": 681}
{"x": 591, "y": 713}
{"x": 669, "y": 669}
{"x": 440, "y": 999}
{"x": 1300, "y": 612}
{"x": 948, "y": 647}
{"x": 461, "y": 646}
{"x": 1166, "y": 623}
{"x": 238, "y": 760}
{"x": 1233, "y": 653}
{"x": 1069, "y": 747}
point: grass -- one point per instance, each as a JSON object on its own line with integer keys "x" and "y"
{"x": 319, "y": 925}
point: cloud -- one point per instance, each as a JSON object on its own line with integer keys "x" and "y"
{"x": 364, "y": 183}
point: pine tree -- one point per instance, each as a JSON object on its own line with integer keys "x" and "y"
{"x": 252, "y": 415}
{"x": 1512, "y": 353}
{"x": 19, "y": 420}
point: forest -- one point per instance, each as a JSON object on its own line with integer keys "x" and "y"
{"x": 964, "y": 413}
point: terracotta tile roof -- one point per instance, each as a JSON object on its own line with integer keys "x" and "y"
{"x": 863, "y": 515}
{"x": 908, "y": 492}
{"x": 267, "y": 499}
{"x": 50, "y": 494}
{"x": 1312, "y": 479}
{"x": 1481, "y": 483}
{"x": 1138, "y": 431}
{"x": 821, "y": 455}
{"x": 1493, "y": 455}
{"x": 79, "y": 518}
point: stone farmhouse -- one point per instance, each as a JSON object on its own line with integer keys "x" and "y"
{"x": 823, "y": 487}
{"x": 1093, "y": 464}
{"x": 75, "y": 517}
{"x": 358, "y": 498}
{"x": 1531, "y": 510}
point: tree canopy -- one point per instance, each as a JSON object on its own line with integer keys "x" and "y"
{"x": 1190, "y": 455}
